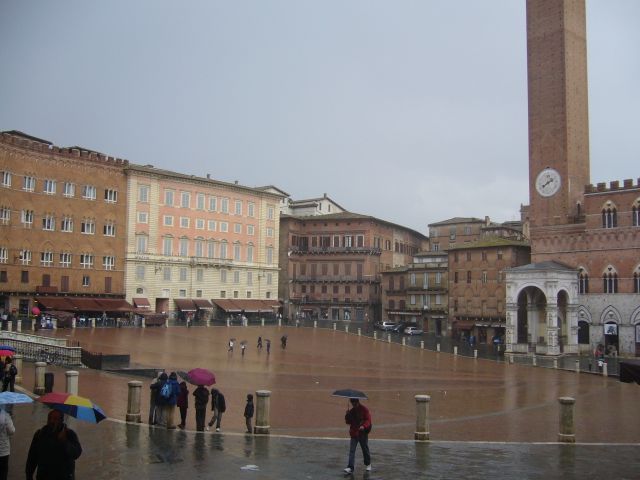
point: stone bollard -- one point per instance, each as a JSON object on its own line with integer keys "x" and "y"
{"x": 605, "y": 373}
{"x": 38, "y": 388}
{"x": 359, "y": 331}
{"x": 263, "y": 407}
{"x": 315, "y": 324}
{"x": 577, "y": 366}
{"x": 422, "y": 344}
{"x": 54, "y": 323}
{"x": 455, "y": 350}
{"x": 262, "y": 321}
{"x": 143, "y": 323}
{"x": 9, "y": 326}
{"x": 375, "y": 335}
{"x": 208, "y": 322}
{"x": 437, "y": 347}
{"x": 72, "y": 382}
{"x": 534, "y": 361}
{"x": 279, "y": 322}
{"x": 422, "y": 417}
{"x": 389, "y": 337}
{"x": 73, "y": 322}
{"x": 93, "y": 323}
{"x": 346, "y": 328}
{"x": 475, "y": 353}
{"x": 511, "y": 359}
{"x": 166, "y": 322}
{"x": 17, "y": 361}
{"x": 404, "y": 341}
{"x": 33, "y": 324}
{"x": 567, "y": 433}
{"x": 335, "y": 326}
{"x": 228, "y": 322}
{"x": 555, "y": 363}
{"x": 133, "y": 402}
{"x": 18, "y": 325}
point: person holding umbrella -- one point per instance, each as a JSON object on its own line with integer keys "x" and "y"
{"x": 6, "y": 431}
{"x": 9, "y": 379}
{"x": 359, "y": 420}
{"x": 202, "y": 399}
{"x": 54, "y": 450}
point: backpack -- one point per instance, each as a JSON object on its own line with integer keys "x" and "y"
{"x": 13, "y": 370}
{"x": 165, "y": 391}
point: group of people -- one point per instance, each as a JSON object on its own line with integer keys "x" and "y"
{"x": 167, "y": 394}
{"x": 267, "y": 342}
{"x": 8, "y": 373}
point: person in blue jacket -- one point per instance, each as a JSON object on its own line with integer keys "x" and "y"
{"x": 171, "y": 400}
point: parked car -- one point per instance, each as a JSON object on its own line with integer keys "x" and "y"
{"x": 385, "y": 326}
{"x": 399, "y": 327}
{"x": 413, "y": 331}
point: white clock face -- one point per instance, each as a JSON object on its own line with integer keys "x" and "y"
{"x": 548, "y": 182}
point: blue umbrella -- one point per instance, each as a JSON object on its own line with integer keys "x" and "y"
{"x": 349, "y": 393}
{"x": 11, "y": 398}
{"x": 7, "y": 347}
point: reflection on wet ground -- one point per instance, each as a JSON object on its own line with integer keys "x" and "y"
{"x": 118, "y": 450}
{"x": 471, "y": 400}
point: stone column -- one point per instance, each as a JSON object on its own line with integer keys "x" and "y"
{"x": 567, "y": 433}
{"x": 389, "y": 337}
{"x": 437, "y": 347}
{"x": 375, "y": 335}
{"x": 455, "y": 350}
{"x": 555, "y": 363}
{"x": 334, "y": 326}
{"x": 534, "y": 361}
{"x": 72, "y": 382}
{"x": 93, "y": 323}
{"x": 553, "y": 348}
{"x": 475, "y": 353}
{"x": 422, "y": 417}
{"x": 33, "y": 324}
{"x": 17, "y": 361}
{"x": 577, "y": 366}
{"x": 279, "y": 321}
{"x": 404, "y": 341}
{"x": 359, "y": 331}
{"x": 422, "y": 344}
{"x": 38, "y": 388}
{"x": 605, "y": 372}
{"x": 315, "y": 324}
{"x": 263, "y": 407}
{"x": 143, "y": 323}
{"x": 346, "y": 328}
{"x": 166, "y": 322}
{"x": 73, "y": 322}
{"x": 133, "y": 402}
{"x": 512, "y": 327}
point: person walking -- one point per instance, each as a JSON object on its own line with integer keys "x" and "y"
{"x": 268, "y": 346}
{"x": 242, "y": 347}
{"x": 283, "y": 342}
{"x": 230, "y": 346}
{"x": 152, "y": 400}
{"x": 359, "y": 420}
{"x": 54, "y": 450}
{"x": 9, "y": 379}
{"x": 201, "y": 395}
{"x": 248, "y": 413}
{"x": 183, "y": 404}
{"x": 159, "y": 400}
{"x": 219, "y": 406}
{"x": 6, "y": 431}
{"x": 259, "y": 343}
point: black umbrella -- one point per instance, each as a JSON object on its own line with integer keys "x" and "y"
{"x": 350, "y": 393}
{"x": 243, "y": 342}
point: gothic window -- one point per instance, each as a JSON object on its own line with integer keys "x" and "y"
{"x": 636, "y": 282}
{"x": 610, "y": 281}
{"x": 635, "y": 214}
{"x": 609, "y": 217}
{"x": 583, "y": 282}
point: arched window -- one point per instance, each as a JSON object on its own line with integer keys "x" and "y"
{"x": 636, "y": 281}
{"x": 635, "y": 214}
{"x": 610, "y": 281}
{"x": 583, "y": 282}
{"x": 609, "y": 217}
{"x": 392, "y": 304}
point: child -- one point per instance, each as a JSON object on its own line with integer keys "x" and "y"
{"x": 248, "y": 413}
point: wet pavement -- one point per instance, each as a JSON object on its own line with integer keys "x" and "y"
{"x": 471, "y": 399}
{"x": 114, "y": 449}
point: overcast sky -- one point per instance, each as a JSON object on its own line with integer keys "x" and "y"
{"x": 410, "y": 111}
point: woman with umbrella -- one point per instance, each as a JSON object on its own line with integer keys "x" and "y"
{"x": 6, "y": 431}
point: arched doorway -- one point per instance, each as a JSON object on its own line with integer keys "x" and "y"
{"x": 532, "y": 314}
{"x": 583, "y": 333}
{"x": 611, "y": 341}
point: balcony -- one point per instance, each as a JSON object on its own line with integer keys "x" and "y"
{"x": 336, "y": 279}
{"x": 333, "y": 250}
{"x": 46, "y": 289}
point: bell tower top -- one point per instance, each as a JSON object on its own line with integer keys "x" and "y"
{"x": 558, "y": 109}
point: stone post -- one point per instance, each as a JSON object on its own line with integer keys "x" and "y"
{"x": 133, "y": 402}
{"x": 263, "y": 407}
{"x": 437, "y": 347}
{"x": 315, "y": 324}
{"x": 511, "y": 359}
{"x": 577, "y": 366}
{"x": 33, "y": 324}
{"x": 605, "y": 372}
{"x": 346, "y": 328}
{"x": 422, "y": 417}
{"x": 72, "y": 382}
{"x": 73, "y": 322}
{"x": 475, "y": 353}
{"x": 335, "y": 327}
{"x": 567, "y": 433}
{"x": 93, "y": 323}
{"x": 455, "y": 350}
{"x": 54, "y": 322}
{"x": 143, "y": 323}
{"x": 208, "y": 322}
{"x": 359, "y": 331}
{"x": 18, "y": 325}
{"x": 422, "y": 344}
{"x": 166, "y": 322}
{"x": 279, "y": 322}
{"x": 9, "y": 325}
{"x": 38, "y": 388}
{"x": 555, "y": 363}
{"x": 262, "y": 321}
{"x": 17, "y": 361}
{"x": 389, "y": 337}
{"x": 534, "y": 361}
{"x": 375, "y": 335}
{"x": 228, "y": 322}
{"x": 404, "y": 341}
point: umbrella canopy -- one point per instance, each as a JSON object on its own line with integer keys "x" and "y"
{"x": 199, "y": 376}
{"x": 243, "y": 342}
{"x": 78, "y": 407}
{"x": 349, "y": 393}
{"x": 11, "y": 398}
{"x": 7, "y": 353}
{"x": 7, "y": 347}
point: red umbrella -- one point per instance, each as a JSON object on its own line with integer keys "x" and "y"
{"x": 199, "y": 376}
{"x": 7, "y": 353}
{"x": 35, "y": 311}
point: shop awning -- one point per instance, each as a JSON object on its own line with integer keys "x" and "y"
{"x": 227, "y": 305}
{"x": 202, "y": 304}
{"x": 114, "y": 304}
{"x": 55, "y": 303}
{"x": 464, "y": 324}
{"x": 141, "y": 302}
{"x": 86, "y": 304}
{"x": 246, "y": 305}
{"x": 185, "y": 304}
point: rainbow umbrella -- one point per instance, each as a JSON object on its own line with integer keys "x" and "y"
{"x": 78, "y": 407}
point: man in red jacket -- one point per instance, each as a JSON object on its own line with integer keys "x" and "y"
{"x": 359, "y": 420}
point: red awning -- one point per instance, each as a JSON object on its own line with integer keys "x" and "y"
{"x": 464, "y": 324}
{"x": 202, "y": 303}
{"x": 85, "y": 304}
{"x": 55, "y": 303}
{"x": 114, "y": 304}
{"x": 227, "y": 305}
{"x": 141, "y": 302}
{"x": 185, "y": 304}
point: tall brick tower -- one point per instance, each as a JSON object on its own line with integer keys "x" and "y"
{"x": 558, "y": 111}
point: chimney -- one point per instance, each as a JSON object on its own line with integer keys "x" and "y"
{"x": 208, "y": 176}
{"x": 487, "y": 221}
{"x": 236, "y": 182}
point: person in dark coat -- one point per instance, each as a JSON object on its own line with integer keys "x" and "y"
{"x": 53, "y": 451}
{"x": 160, "y": 402}
{"x": 248, "y": 413}
{"x": 10, "y": 373}
{"x": 183, "y": 404}
{"x": 201, "y": 395}
{"x": 171, "y": 401}
{"x": 359, "y": 420}
{"x": 219, "y": 406}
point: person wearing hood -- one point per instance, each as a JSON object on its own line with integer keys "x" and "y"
{"x": 159, "y": 400}
{"x": 6, "y": 431}
{"x": 171, "y": 400}
{"x": 183, "y": 404}
{"x": 219, "y": 406}
{"x": 201, "y": 395}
